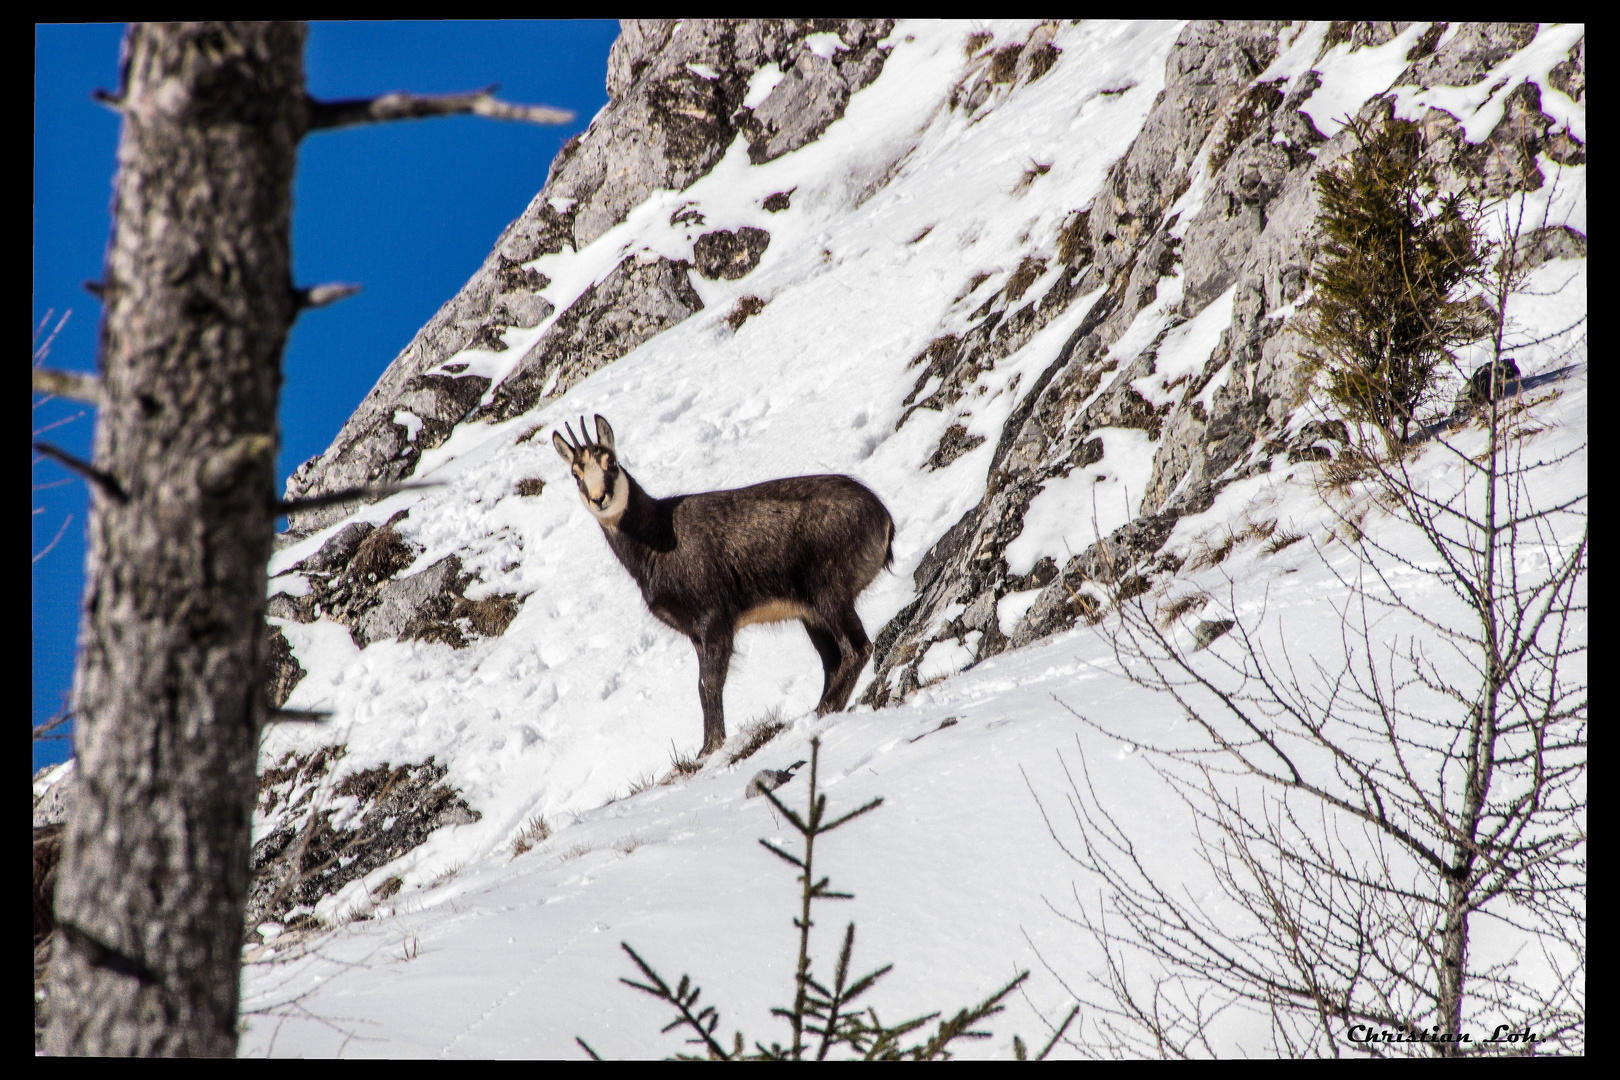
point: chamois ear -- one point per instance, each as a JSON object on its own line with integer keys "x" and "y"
{"x": 563, "y": 449}
{"x": 604, "y": 433}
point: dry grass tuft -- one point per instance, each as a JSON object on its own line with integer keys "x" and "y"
{"x": 1348, "y": 531}
{"x": 1029, "y": 271}
{"x": 1339, "y": 475}
{"x": 681, "y": 766}
{"x": 535, "y": 832}
{"x": 1282, "y": 540}
{"x": 1212, "y": 552}
{"x": 380, "y": 556}
{"x": 1035, "y": 171}
{"x": 530, "y": 486}
{"x": 1004, "y": 64}
{"x": 447, "y": 875}
{"x": 576, "y": 849}
{"x": 756, "y": 733}
{"x": 628, "y": 844}
{"x": 1074, "y": 239}
{"x": 1130, "y": 588}
{"x": 977, "y": 41}
{"x": 1181, "y": 606}
{"x": 1257, "y": 530}
{"x": 972, "y": 286}
{"x": 490, "y": 616}
{"x": 747, "y": 307}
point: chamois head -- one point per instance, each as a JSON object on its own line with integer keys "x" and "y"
{"x": 602, "y": 484}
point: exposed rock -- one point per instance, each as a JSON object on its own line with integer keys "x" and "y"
{"x": 1107, "y": 562}
{"x": 1568, "y": 76}
{"x": 299, "y": 609}
{"x": 338, "y": 549}
{"x": 778, "y": 201}
{"x": 1544, "y": 245}
{"x": 285, "y": 672}
{"x": 664, "y": 128}
{"x": 814, "y": 91}
{"x": 373, "y": 447}
{"x": 47, "y": 855}
{"x": 729, "y": 255}
{"x": 352, "y": 582}
{"x": 1363, "y": 35}
{"x": 1472, "y": 51}
{"x": 1477, "y": 390}
{"x": 1255, "y": 234}
{"x": 422, "y": 598}
{"x": 53, "y": 794}
{"x": 636, "y": 301}
{"x": 1207, "y": 630}
{"x": 953, "y": 444}
{"x": 308, "y": 854}
{"x": 637, "y": 46}
{"x": 1126, "y": 248}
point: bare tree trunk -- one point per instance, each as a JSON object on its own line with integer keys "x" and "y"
{"x": 169, "y": 690}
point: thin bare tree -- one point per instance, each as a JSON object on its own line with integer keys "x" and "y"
{"x": 169, "y": 694}
{"x": 1395, "y": 829}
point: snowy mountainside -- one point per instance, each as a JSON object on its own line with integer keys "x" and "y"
{"x": 1032, "y": 284}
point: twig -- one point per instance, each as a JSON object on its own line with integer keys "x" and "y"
{"x": 105, "y": 481}
{"x": 46, "y": 550}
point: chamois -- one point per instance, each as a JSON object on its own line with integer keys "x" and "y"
{"x": 711, "y": 563}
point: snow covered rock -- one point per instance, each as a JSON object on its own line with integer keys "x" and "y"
{"x": 635, "y": 302}
{"x": 347, "y": 830}
{"x": 677, "y": 101}
{"x": 1209, "y": 218}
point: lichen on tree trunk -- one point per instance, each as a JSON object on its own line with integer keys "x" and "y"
{"x": 169, "y": 694}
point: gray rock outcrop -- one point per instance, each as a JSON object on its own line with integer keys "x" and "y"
{"x": 1254, "y": 233}
{"x": 675, "y": 104}
{"x": 635, "y": 302}
{"x": 308, "y": 854}
{"x": 353, "y": 581}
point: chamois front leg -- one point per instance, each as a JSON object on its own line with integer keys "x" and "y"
{"x": 714, "y": 660}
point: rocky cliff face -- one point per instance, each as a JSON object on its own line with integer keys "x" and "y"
{"x": 677, "y": 93}
{"x": 1206, "y": 223}
{"x": 1250, "y": 231}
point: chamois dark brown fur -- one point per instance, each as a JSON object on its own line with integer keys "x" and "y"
{"x": 711, "y": 563}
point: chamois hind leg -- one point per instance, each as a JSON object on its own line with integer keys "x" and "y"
{"x": 855, "y": 650}
{"x": 714, "y": 660}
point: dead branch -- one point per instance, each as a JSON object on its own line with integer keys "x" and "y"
{"x": 348, "y": 112}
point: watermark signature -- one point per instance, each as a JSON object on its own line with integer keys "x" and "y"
{"x": 1504, "y": 1033}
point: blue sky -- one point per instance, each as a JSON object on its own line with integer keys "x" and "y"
{"x": 408, "y": 210}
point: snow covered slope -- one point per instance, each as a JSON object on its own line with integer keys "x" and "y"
{"x": 959, "y": 184}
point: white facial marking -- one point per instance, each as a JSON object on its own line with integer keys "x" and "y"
{"x": 601, "y": 484}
